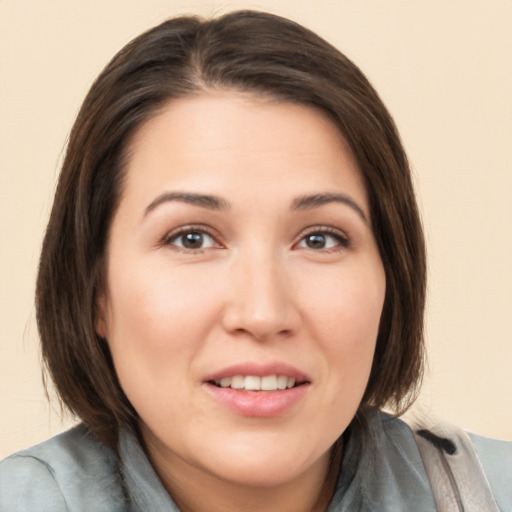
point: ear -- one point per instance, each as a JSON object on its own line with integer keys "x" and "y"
{"x": 100, "y": 320}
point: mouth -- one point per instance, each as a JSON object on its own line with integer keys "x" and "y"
{"x": 272, "y": 382}
{"x": 259, "y": 389}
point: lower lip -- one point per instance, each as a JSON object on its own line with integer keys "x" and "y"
{"x": 258, "y": 404}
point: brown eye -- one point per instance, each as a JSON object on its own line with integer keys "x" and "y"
{"x": 192, "y": 240}
{"x": 323, "y": 240}
{"x": 315, "y": 241}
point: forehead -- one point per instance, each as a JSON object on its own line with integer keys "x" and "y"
{"x": 235, "y": 143}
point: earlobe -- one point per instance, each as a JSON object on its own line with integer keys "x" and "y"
{"x": 100, "y": 322}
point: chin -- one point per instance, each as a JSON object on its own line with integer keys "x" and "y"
{"x": 260, "y": 474}
{"x": 266, "y": 462}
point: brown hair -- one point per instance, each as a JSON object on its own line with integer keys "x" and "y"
{"x": 246, "y": 51}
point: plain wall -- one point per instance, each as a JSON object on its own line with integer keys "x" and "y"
{"x": 444, "y": 69}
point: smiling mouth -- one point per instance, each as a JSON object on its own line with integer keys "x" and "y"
{"x": 255, "y": 383}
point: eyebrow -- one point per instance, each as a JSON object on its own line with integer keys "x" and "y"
{"x": 203, "y": 200}
{"x": 211, "y": 202}
{"x": 316, "y": 200}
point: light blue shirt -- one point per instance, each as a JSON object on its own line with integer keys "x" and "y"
{"x": 381, "y": 471}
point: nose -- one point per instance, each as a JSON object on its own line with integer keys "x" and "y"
{"x": 262, "y": 301}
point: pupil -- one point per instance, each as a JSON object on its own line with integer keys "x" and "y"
{"x": 193, "y": 240}
{"x": 315, "y": 241}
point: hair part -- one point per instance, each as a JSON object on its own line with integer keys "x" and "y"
{"x": 244, "y": 51}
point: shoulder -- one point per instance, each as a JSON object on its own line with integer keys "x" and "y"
{"x": 381, "y": 468}
{"x": 70, "y": 472}
{"x": 495, "y": 456}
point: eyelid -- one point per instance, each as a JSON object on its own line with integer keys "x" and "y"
{"x": 340, "y": 235}
{"x": 175, "y": 233}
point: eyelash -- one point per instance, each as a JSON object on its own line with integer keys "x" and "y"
{"x": 170, "y": 238}
{"x": 343, "y": 242}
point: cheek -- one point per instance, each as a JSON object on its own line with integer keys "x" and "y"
{"x": 157, "y": 306}
{"x": 158, "y": 321}
{"x": 348, "y": 304}
{"x": 344, "y": 315}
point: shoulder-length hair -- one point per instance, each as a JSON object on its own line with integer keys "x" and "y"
{"x": 241, "y": 51}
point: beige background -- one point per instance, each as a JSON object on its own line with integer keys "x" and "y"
{"x": 443, "y": 67}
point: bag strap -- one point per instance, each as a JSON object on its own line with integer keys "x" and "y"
{"x": 456, "y": 476}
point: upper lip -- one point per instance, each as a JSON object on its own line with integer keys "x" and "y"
{"x": 259, "y": 370}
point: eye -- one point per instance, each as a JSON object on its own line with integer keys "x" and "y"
{"x": 323, "y": 240}
{"x": 191, "y": 239}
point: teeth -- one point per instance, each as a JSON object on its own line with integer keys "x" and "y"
{"x": 237, "y": 382}
{"x": 269, "y": 383}
{"x": 225, "y": 382}
{"x": 282, "y": 381}
{"x": 254, "y": 383}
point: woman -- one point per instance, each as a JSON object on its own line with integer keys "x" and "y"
{"x": 232, "y": 286}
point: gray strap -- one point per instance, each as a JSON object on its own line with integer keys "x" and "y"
{"x": 456, "y": 476}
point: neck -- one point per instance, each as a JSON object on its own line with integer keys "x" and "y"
{"x": 196, "y": 490}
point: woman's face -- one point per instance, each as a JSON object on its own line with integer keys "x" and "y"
{"x": 242, "y": 257}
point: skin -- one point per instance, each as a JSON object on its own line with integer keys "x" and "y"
{"x": 255, "y": 290}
